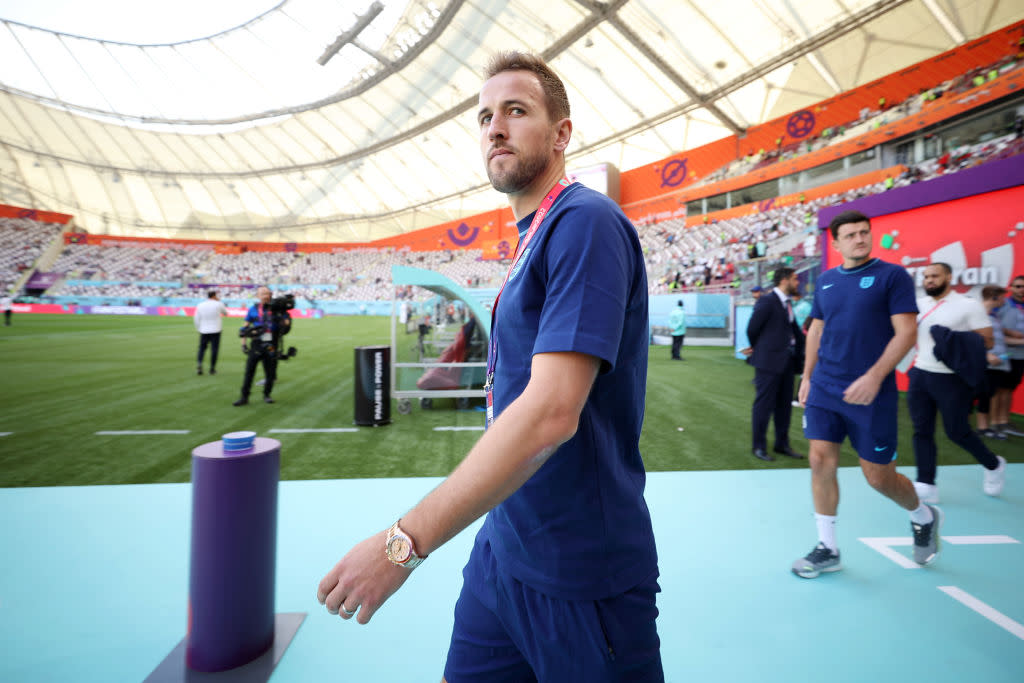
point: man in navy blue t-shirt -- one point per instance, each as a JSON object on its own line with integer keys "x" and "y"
{"x": 864, "y": 321}
{"x": 562, "y": 579}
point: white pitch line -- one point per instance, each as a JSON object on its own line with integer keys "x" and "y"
{"x": 6, "y": 433}
{"x": 132, "y": 432}
{"x": 884, "y": 545}
{"x": 987, "y": 611}
{"x": 325, "y": 430}
{"x": 993, "y": 539}
{"x": 459, "y": 429}
{"x": 996, "y": 539}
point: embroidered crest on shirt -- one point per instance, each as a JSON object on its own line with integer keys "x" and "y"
{"x": 867, "y": 281}
{"x": 519, "y": 264}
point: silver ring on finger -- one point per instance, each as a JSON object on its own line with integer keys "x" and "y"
{"x": 347, "y": 612}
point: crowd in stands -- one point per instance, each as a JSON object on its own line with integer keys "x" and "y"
{"x": 869, "y": 119}
{"x": 352, "y": 275}
{"x": 698, "y": 258}
{"x": 23, "y": 241}
{"x": 130, "y": 263}
{"x": 704, "y": 256}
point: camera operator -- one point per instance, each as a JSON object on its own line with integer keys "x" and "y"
{"x": 261, "y": 335}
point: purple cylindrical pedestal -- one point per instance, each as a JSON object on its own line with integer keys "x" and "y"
{"x": 234, "y": 546}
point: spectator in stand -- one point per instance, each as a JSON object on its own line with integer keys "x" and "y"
{"x": 207, "y": 320}
{"x": 811, "y": 244}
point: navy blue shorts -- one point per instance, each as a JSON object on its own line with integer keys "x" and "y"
{"x": 506, "y": 631}
{"x": 872, "y": 429}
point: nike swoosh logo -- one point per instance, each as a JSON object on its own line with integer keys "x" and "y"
{"x": 826, "y": 286}
{"x": 877, "y": 449}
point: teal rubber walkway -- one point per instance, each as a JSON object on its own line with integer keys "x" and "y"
{"x": 94, "y": 582}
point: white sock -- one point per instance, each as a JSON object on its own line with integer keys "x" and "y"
{"x": 922, "y": 515}
{"x": 826, "y": 530}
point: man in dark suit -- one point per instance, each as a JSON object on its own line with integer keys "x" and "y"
{"x": 778, "y": 345}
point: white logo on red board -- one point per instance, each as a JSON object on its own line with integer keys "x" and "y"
{"x": 993, "y": 266}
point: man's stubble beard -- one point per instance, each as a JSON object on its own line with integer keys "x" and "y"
{"x": 519, "y": 177}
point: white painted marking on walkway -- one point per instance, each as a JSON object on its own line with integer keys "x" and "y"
{"x": 996, "y": 539}
{"x": 325, "y": 430}
{"x": 990, "y": 613}
{"x": 130, "y": 432}
{"x": 459, "y": 429}
{"x": 6, "y": 433}
{"x": 884, "y": 545}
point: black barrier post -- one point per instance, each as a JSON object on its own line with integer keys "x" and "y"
{"x": 373, "y": 386}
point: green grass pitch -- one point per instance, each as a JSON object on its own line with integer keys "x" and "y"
{"x": 67, "y": 377}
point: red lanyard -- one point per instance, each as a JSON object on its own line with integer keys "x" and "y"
{"x": 930, "y": 311}
{"x": 919, "y": 321}
{"x": 538, "y": 218}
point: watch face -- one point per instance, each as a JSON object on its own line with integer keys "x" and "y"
{"x": 400, "y": 549}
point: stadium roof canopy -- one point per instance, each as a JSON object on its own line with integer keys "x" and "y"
{"x": 242, "y": 134}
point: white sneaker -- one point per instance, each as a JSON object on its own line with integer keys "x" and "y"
{"x": 995, "y": 479}
{"x": 929, "y": 493}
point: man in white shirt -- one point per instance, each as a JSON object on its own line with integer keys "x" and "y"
{"x": 934, "y": 386}
{"x": 208, "y": 323}
{"x": 6, "y": 305}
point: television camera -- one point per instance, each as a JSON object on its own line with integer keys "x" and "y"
{"x": 280, "y": 326}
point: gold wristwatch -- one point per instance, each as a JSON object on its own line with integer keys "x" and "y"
{"x": 400, "y": 548}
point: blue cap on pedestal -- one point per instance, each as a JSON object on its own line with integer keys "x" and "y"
{"x": 237, "y": 442}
